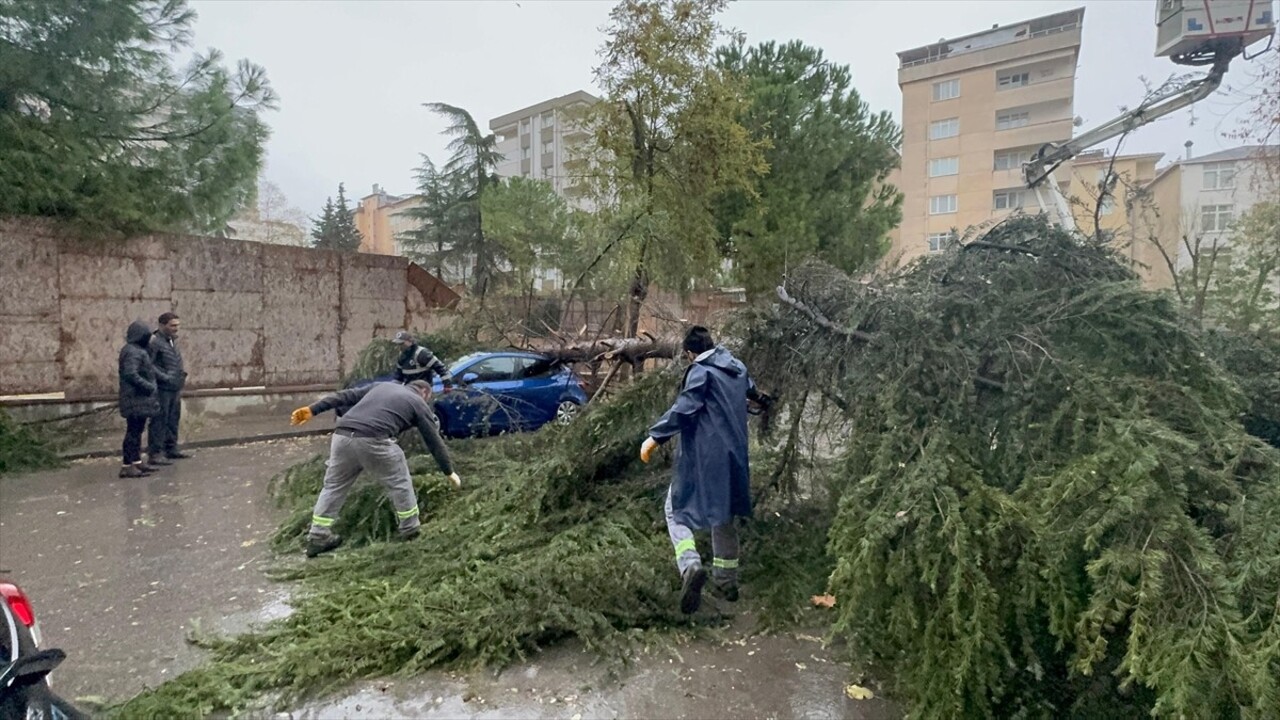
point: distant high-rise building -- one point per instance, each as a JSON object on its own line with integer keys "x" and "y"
{"x": 535, "y": 141}
{"x": 973, "y": 110}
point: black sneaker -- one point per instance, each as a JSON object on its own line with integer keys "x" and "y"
{"x": 131, "y": 471}
{"x": 323, "y": 545}
{"x": 691, "y": 589}
{"x": 413, "y": 534}
{"x": 146, "y": 469}
{"x": 158, "y": 460}
{"x": 177, "y": 455}
{"x": 726, "y": 591}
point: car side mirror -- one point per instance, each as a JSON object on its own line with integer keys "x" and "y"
{"x": 469, "y": 378}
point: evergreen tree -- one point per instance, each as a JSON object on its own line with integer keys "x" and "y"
{"x": 470, "y": 170}
{"x": 99, "y": 126}
{"x": 829, "y": 156}
{"x": 335, "y": 229}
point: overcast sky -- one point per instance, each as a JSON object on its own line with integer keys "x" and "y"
{"x": 352, "y": 75}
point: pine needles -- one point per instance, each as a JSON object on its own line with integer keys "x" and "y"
{"x": 1048, "y": 505}
{"x": 504, "y": 566}
{"x": 23, "y": 449}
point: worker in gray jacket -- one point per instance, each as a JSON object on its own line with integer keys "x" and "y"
{"x": 365, "y": 439}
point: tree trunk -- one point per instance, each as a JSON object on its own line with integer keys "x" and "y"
{"x": 629, "y": 350}
{"x": 635, "y": 302}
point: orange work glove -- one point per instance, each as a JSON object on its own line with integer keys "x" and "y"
{"x": 300, "y": 416}
{"x": 646, "y": 450}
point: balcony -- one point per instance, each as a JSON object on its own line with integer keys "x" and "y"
{"x": 1036, "y": 93}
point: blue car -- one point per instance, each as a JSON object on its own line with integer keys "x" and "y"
{"x": 496, "y": 392}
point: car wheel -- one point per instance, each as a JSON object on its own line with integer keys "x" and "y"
{"x": 566, "y": 411}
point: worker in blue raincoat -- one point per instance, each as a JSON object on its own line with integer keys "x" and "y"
{"x": 712, "y": 481}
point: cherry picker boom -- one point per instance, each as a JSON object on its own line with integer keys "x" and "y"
{"x": 1190, "y": 32}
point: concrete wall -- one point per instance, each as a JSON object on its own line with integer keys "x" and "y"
{"x": 252, "y": 314}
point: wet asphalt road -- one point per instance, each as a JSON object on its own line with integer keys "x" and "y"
{"x": 120, "y": 570}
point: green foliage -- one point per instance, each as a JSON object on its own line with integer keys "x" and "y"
{"x": 666, "y": 143}
{"x": 829, "y": 157}
{"x": 532, "y": 224}
{"x": 1246, "y": 296}
{"x": 335, "y": 229}
{"x": 22, "y": 449}
{"x": 1047, "y": 503}
{"x": 99, "y": 126}
{"x": 1253, "y": 360}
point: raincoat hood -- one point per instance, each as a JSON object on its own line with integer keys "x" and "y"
{"x": 721, "y": 359}
{"x": 138, "y": 333}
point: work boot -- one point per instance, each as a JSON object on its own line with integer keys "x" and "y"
{"x": 320, "y": 546}
{"x": 131, "y": 471}
{"x": 726, "y": 590}
{"x": 691, "y": 589}
{"x": 158, "y": 460}
{"x": 413, "y": 534}
{"x": 177, "y": 455}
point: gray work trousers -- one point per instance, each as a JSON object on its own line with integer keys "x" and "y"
{"x": 724, "y": 548}
{"x": 384, "y": 459}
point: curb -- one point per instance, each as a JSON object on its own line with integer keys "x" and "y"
{"x": 197, "y": 444}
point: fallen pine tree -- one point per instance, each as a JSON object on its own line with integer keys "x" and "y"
{"x": 1041, "y": 501}
{"x": 1048, "y": 505}
{"x": 555, "y": 535}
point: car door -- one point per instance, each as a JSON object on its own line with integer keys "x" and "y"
{"x": 487, "y": 409}
{"x": 538, "y": 393}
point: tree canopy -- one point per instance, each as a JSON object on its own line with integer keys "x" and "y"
{"x": 825, "y": 195}
{"x": 667, "y": 141}
{"x": 98, "y": 125}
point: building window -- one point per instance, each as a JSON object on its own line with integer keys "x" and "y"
{"x": 1005, "y": 81}
{"x": 1012, "y": 159}
{"x": 1108, "y": 205}
{"x": 1011, "y": 119}
{"x": 940, "y": 129}
{"x": 946, "y": 90}
{"x": 937, "y": 241}
{"x": 939, "y": 167}
{"x": 548, "y": 119}
{"x": 942, "y": 204}
{"x": 524, "y": 126}
{"x": 1220, "y": 176}
{"x": 1008, "y": 199}
{"x": 548, "y": 148}
{"x": 1215, "y": 218}
{"x": 547, "y": 174}
{"x": 526, "y": 152}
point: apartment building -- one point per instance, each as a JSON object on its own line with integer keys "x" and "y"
{"x": 1112, "y": 213}
{"x": 379, "y": 220}
{"x": 974, "y": 108}
{"x": 1195, "y": 202}
{"x": 537, "y": 141}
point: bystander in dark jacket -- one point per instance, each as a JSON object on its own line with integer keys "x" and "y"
{"x": 138, "y": 401}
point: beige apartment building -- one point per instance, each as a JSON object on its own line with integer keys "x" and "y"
{"x": 974, "y": 108}
{"x": 379, "y": 220}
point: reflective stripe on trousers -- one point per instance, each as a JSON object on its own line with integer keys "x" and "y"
{"x": 724, "y": 547}
{"x": 348, "y": 456}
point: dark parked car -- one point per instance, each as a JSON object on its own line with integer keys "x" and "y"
{"x": 509, "y": 391}
{"x": 24, "y": 667}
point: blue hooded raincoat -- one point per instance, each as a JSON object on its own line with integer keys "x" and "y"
{"x": 713, "y": 482}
